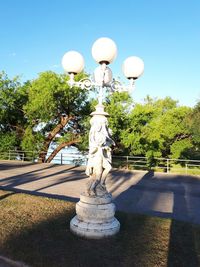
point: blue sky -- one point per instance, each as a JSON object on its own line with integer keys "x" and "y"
{"x": 35, "y": 34}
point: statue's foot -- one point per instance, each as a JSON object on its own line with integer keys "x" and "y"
{"x": 101, "y": 190}
{"x": 92, "y": 193}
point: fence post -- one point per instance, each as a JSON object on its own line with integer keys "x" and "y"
{"x": 22, "y": 156}
{"x": 127, "y": 162}
{"x": 167, "y": 165}
{"x": 186, "y": 168}
{"x": 61, "y": 158}
{"x": 9, "y": 155}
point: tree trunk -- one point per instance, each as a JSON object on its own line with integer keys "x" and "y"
{"x": 63, "y": 121}
{"x": 55, "y": 152}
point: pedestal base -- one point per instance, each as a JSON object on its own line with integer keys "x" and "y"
{"x": 95, "y": 217}
{"x": 94, "y": 230}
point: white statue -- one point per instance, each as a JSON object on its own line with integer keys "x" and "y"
{"x": 99, "y": 158}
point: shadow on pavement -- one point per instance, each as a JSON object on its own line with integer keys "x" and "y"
{"x": 164, "y": 196}
{"x": 35, "y": 193}
{"x": 13, "y": 165}
{"x": 71, "y": 173}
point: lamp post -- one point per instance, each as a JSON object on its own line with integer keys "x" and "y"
{"x": 95, "y": 210}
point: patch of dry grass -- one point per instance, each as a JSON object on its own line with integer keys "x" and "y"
{"x": 35, "y": 230}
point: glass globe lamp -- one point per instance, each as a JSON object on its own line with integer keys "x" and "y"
{"x": 133, "y": 67}
{"x": 73, "y": 62}
{"x": 104, "y": 50}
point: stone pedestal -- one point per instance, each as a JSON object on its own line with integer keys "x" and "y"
{"x": 95, "y": 217}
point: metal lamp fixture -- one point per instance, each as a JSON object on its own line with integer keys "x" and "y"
{"x": 95, "y": 210}
{"x": 104, "y": 52}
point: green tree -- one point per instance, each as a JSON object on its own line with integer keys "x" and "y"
{"x": 8, "y": 141}
{"x": 118, "y": 106}
{"x": 134, "y": 137}
{"x": 193, "y": 124}
{"x": 169, "y": 129}
{"x": 13, "y": 96}
{"x": 56, "y": 110}
{"x": 155, "y": 127}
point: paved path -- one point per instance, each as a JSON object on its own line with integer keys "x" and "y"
{"x": 164, "y": 195}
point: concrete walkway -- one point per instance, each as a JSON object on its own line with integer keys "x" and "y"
{"x": 164, "y": 195}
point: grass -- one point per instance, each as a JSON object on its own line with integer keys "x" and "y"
{"x": 175, "y": 169}
{"x": 35, "y": 230}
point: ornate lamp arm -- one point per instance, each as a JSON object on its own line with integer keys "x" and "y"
{"x": 112, "y": 86}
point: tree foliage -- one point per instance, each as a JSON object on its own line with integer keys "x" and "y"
{"x": 194, "y": 122}
{"x": 56, "y": 106}
{"x": 155, "y": 126}
{"x": 118, "y": 106}
{"x": 46, "y": 110}
{"x": 13, "y": 96}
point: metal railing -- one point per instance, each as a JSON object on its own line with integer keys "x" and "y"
{"x": 60, "y": 158}
{"x": 181, "y": 166}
